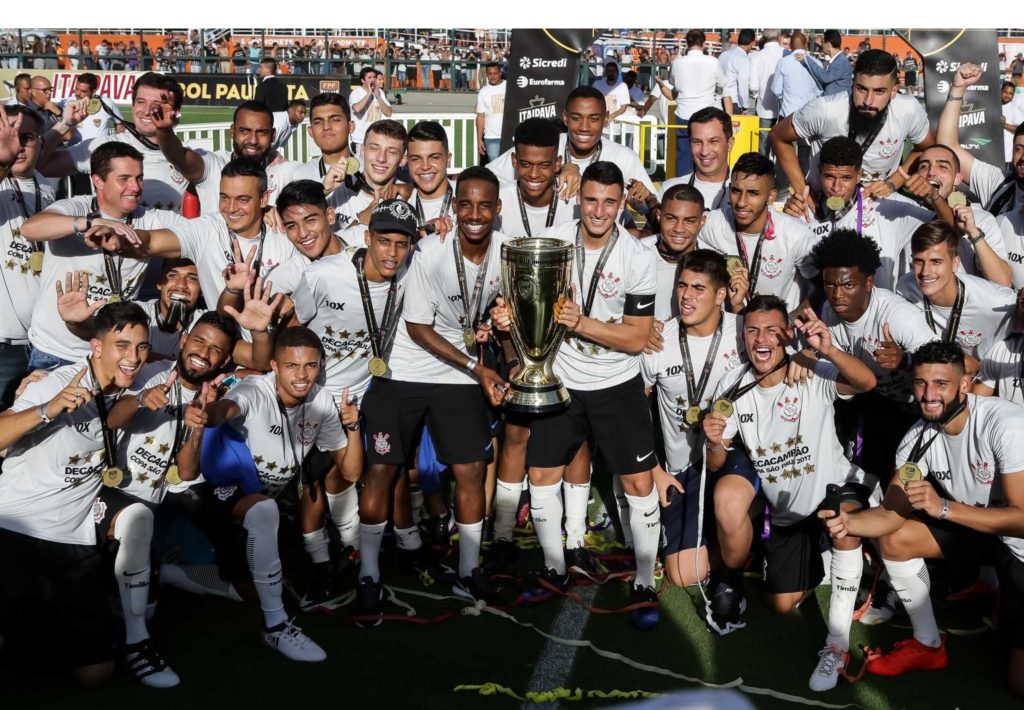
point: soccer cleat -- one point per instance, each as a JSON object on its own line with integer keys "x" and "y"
{"x": 882, "y": 607}
{"x": 724, "y": 611}
{"x": 288, "y": 639}
{"x": 831, "y": 660}
{"x": 437, "y": 529}
{"x": 907, "y": 656}
{"x": 501, "y": 556}
{"x": 477, "y": 587}
{"x": 578, "y": 560}
{"x": 549, "y": 579}
{"x": 145, "y": 663}
{"x": 422, "y": 563}
{"x": 367, "y": 604}
{"x": 648, "y": 616}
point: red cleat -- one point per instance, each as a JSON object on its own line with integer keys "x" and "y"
{"x": 906, "y": 656}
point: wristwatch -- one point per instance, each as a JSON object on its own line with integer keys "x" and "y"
{"x": 41, "y": 411}
{"x": 975, "y": 240}
{"x": 945, "y": 509}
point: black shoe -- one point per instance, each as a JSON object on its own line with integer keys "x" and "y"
{"x": 549, "y": 579}
{"x": 724, "y": 612}
{"x": 578, "y": 560}
{"x": 367, "y": 603}
{"x": 437, "y": 529}
{"x": 423, "y": 564}
{"x": 324, "y": 588}
{"x": 344, "y": 562}
{"x": 477, "y": 587}
{"x": 646, "y": 617}
{"x": 501, "y": 556}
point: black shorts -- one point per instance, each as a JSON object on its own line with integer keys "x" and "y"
{"x": 738, "y": 463}
{"x": 457, "y": 415}
{"x": 71, "y": 582}
{"x": 109, "y": 502}
{"x": 618, "y": 420}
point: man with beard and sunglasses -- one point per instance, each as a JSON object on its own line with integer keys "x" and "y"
{"x": 876, "y": 115}
{"x": 957, "y": 494}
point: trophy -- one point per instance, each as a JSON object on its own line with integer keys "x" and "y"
{"x": 535, "y": 274}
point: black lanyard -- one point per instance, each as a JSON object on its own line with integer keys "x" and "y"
{"x": 695, "y": 391}
{"x": 595, "y": 275}
{"x": 755, "y": 263}
{"x": 113, "y": 270}
{"x": 735, "y": 392}
{"x": 446, "y": 205}
{"x": 870, "y": 138}
{"x": 19, "y": 197}
{"x": 567, "y": 159}
{"x": 380, "y": 337}
{"x": 526, "y": 219}
{"x": 715, "y": 203}
{"x": 471, "y": 306}
{"x": 109, "y": 441}
{"x": 299, "y": 463}
{"x": 179, "y": 430}
{"x": 954, "y": 316}
{"x": 920, "y": 447}
{"x": 999, "y": 199}
{"x": 667, "y": 254}
{"x": 258, "y": 261}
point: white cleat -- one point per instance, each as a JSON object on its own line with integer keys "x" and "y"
{"x": 288, "y": 639}
{"x": 145, "y": 663}
{"x": 831, "y": 660}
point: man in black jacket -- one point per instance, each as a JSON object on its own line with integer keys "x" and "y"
{"x": 271, "y": 90}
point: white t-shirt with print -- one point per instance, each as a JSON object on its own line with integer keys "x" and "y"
{"x": 715, "y": 194}
{"x": 20, "y": 283}
{"x": 665, "y": 304}
{"x": 969, "y": 467}
{"x": 1000, "y": 368}
{"x": 490, "y": 101}
{"x": 1011, "y": 229}
{"x": 208, "y": 189}
{"x": 989, "y": 183}
{"x": 372, "y": 112}
{"x": 615, "y": 95}
{"x": 510, "y": 221}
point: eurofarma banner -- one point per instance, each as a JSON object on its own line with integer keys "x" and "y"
{"x": 542, "y": 67}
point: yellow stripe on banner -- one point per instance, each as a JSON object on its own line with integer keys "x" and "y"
{"x": 947, "y": 45}
{"x": 556, "y": 694}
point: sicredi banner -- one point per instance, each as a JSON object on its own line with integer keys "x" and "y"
{"x": 232, "y": 89}
{"x": 542, "y": 70}
{"x": 943, "y": 51}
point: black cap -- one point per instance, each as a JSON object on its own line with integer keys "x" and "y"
{"x": 394, "y": 215}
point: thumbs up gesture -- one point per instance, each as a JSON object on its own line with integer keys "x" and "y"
{"x": 195, "y": 417}
{"x": 888, "y": 354}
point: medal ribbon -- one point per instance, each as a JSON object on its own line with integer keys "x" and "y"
{"x": 471, "y": 306}
{"x": 954, "y": 317}
{"x": 695, "y": 392}
{"x": 920, "y": 448}
{"x": 380, "y": 337}
{"x": 19, "y": 197}
{"x": 522, "y": 210}
{"x": 109, "y": 440}
{"x": 755, "y": 264}
{"x": 606, "y": 252}
{"x": 446, "y": 205}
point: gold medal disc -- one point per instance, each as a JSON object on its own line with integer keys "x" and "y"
{"x": 733, "y": 264}
{"x": 957, "y": 199}
{"x": 377, "y": 367}
{"x": 692, "y": 415}
{"x": 909, "y": 472}
{"x": 114, "y": 298}
{"x": 469, "y": 337}
{"x": 723, "y": 407}
{"x": 112, "y": 477}
{"x": 93, "y": 107}
{"x": 172, "y": 476}
{"x": 35, "y": 261}
{"x": 835, "y": 203}
{"x": 351, "y": 166}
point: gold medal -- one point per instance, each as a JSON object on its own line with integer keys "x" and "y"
{"x": 172, "y": 475}
{"x": 35, "y": 261}
{"x": 377, "y": 367}
{"x": 351, "y": 166}
{"x": 835, "y": 203}
{"x": 957, "y": 199}
{"x": 733, "y": 264}
{"x": 723, "y": 407}
{"x": 469, "y": 337}
{"x": 909, "y": 472}
{"x": 93, "y": 107}
{"x": 692, "y": 415}
{"x": 114, "y": 298}
{"x": 112, "y": 477}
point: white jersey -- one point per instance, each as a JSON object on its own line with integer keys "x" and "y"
{"x": 615, "y": 95}
{"x": 828, "y": 116}
{"x": 969, "y": 467}
{"x": 283, "y": 129}
{"x": 433, "y": 297}
{"x": 432, "y": 208}
{"x": 20, "y": 283}
{"x": 665, "y": 371}
{"x": 160, "y": 341}
{"x": 490, "y": 101}
{"x": 313, "y": 170}
{"x": 371, "y": 113}
{"x": 665, "y": 304}
{"x": 863, "y": 336}
{"x": 986, "y": 317}
{"x": 990, "y": 184}
{"x": 630, "y": 270}
{"x": 1001, "y": 368}
{"x": 101, "y": 123}
{"x": 279, "y": 444}
{"x": 715, "y": 194}
{"x": 146, "y": 449}
{"x": 52, "y": 475}
{"x": 48, "y": 332}
{"x": 162, "y": 187}
{"x": 627, "y": 160}
{"x": 890, "y": 224}
{"x": 790, "y": 433}
{"x": 329, "y": 302}
{"x": 208, "y": 188}
{"x": 993, "y": 236}
{"x": 510, "y": 221}
{"x": 786, "y": 251}
{"x": 1011, "y": 229}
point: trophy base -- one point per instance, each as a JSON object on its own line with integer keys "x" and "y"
{"x": 538, "y": 399}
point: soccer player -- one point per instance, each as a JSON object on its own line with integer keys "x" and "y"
{"x": 682, "y": 218}
{"x": 773, "y": 248}
{"x": 703, "y": 345}
{"x": 330, "y": 123}
{"x": 66, "y": 227}
{"x": 382, "y": 153}
{"x": 970, "y": 507}
{"x": 789, "y": 432}
{"x": 427, "y": 158}
{"x": 1000, "y": 372}
{"x": 711, "y": 143}
{"x": 436, "y": 377}
{"x": 285, "y": 419}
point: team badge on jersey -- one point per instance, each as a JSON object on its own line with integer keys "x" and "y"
{"x": 176, "y": 176}
{"x": 224, "y": 492}
{"x": 984, "y": 472}
{"x": 99, "y": 511}
{"x": 609, "y": 285}
{"x": 789, "y": 409}
{"x": 969, "y": 338}
{"x": 870, "y": 344}
{"x": 771, "y": 266}
{"x": 888, "y": 147}
{"x": 380, "y": 443}
{"x": 732, "y": 360}
{"x": 307, "y": 432}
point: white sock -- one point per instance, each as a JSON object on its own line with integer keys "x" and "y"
{"x": 469, "y": 547}
{"x": 315, "y": 544}
{"x": 623, "y": 505}
{"x": 416, "y": 500}
{"x": 408, "y": 538}
{"x": 506, "y": 505}
{"x": 847, "y": 567}
{"x": 133, "y": 529}
{"x": 198, "y": 579}
{"x": 260, "y": 523}
{"x": 645, "y": 519}
{"x": 576, "y": 497}
{"x": 546, "y": 511}
{"x": 344, "y": 509}
{"x": 370, "y": 537}
{"x": 911, "y": 582}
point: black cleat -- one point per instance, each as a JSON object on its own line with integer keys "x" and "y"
{"x": 367, "y": 603}
{"x": 477, "y": 587}
{"x": 501, "y": 556}
{"x": 646, "y": 617}
{"x": 422, "y": 563}
{"x": 579, "y": 560}
{"x": 725, "y": 609}
{"x": 550, "y": 579}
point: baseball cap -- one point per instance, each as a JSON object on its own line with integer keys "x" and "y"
{"x": 394, "y": 215}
